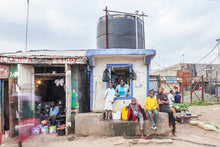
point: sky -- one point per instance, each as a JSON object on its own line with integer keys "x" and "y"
{"x": 174, "y": 28}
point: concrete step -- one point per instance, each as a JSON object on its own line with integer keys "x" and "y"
{"x": 93, "y": 124}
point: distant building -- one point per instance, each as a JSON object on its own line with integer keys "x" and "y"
{"x": 171, "y": 76}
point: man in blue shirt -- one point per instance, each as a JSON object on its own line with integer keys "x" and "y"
{"x": 177, "y": 97}
{"x": 54, "y": 112}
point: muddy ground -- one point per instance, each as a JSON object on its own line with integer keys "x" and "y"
{"x": 188, "y": 135}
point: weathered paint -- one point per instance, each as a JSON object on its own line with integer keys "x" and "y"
{"x": 27, "y": 60}
{"x": 4, "y": 71}
{"x": 98, "y": 60}
{"x": 13, "y": 71}
{"x": 131, "y": 81}
{"x": 148, "y": 79}
{"x": 68, "y": 97}
{"x": 149, "y": 53}
{"x": 91, "y": 89}
{"x": 1, "y": 93}
{"x": 1, "y": 104}
{"x": 98, "y": 87}
{"x": 26, "y": 84}
{"x": 74, "y": 101}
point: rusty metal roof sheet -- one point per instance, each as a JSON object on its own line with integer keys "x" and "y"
{"x": 47, "y": 54}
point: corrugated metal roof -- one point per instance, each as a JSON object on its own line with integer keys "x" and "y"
{"x": 47, "y": 54}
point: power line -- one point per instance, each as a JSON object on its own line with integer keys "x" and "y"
{"x": 208, "y": 53}
{"x": 158, "y": 64}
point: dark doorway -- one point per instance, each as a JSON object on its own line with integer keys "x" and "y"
{"x": 6, "y": 106}
{"x": 50, "y": 90}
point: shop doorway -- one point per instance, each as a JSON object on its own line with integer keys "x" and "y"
{"x": 6, "y": 107}
{"x": 50, "y": 87}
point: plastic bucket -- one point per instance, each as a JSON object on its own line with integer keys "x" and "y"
{"x": 53, "y": 129}
{"x": 0, "y": 137}
{"x": 7, "y": 134}
{"x": 46, "y": 129}
{"x": 116, "y": 115}
{"x": 61, "y": 131}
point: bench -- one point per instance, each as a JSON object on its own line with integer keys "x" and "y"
{"x": 93, "y": 124}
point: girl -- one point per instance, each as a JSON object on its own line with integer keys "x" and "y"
{"x": 109, "y": 100}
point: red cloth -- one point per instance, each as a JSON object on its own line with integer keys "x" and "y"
{"x": 130, "y": 112}
{"x": 25, "y": 127}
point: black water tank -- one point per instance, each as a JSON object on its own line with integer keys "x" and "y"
{"x": 121, "y": 32}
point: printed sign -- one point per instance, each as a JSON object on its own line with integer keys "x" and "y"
{"x": 13, "y": 72}
{"x": 171, "y": 80}
{"x": 4, "y": 71}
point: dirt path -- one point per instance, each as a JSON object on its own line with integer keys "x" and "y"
{"x": 188, "y": 135}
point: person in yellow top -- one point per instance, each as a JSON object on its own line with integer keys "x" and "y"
{"x": 151, "y": 108}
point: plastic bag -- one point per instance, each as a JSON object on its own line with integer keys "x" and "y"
{"x": 133, "y": 75}
{"x": 105, "y": 77}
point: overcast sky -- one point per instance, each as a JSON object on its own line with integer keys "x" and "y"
{"x": 173, "y": 28}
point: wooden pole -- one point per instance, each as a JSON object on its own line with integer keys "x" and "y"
{"x": 202, "y": 89}
{"x": 191, "y": 91}
{"x": 183, "y": 88}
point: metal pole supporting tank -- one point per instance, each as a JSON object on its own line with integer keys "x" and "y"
{"x": 123, "y": 31}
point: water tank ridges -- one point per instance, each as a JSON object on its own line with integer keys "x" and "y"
{"x": 121, "y": 32}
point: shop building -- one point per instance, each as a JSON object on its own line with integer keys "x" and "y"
{"x": 44, "y": 76}
{"x": 120, "y": 63}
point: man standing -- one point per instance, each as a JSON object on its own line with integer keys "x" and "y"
{"x": 177, "y": 98}
{"x": 164, "y": 107}
{"x": 151, "y": 108}
{"x": 54, "y": 111}
{"x": 171, "y": 97}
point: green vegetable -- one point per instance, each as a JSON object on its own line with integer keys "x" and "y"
{"x": 181, "y": 106}
{"x": 217, "y": 127}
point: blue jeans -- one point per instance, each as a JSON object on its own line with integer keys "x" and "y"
{"x": 52, "y": 120}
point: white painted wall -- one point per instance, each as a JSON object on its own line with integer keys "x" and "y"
{"x": 26, "y": 83}
{"x": 139, "y": 85}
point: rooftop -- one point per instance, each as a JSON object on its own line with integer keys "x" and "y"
{"x": 47, "y": 54}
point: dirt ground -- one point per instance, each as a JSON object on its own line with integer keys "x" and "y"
{"x": 188, "y": 135}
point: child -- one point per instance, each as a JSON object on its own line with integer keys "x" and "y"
{"x": 151, "y": 108}
{"x": 135, "y": 112}
{"x": 109, "y": 100}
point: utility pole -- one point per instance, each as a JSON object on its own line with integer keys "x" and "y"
{"x": 27, "y": 18}
{"x": 216, "y": 87}
{"x": 190, "y": 80}
{"x": 218, "y": 40}
{"x": 183, "y": 58}
{"x": 202, "y": 88}
{"x": 183, "y": 87}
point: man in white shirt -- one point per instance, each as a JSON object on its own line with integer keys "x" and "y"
{"x": 171, "y": 97}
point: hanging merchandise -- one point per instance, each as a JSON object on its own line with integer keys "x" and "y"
{"x": 106, "y": 76}
{"x": 59, "y": 82}
{"x": 133, "y": 75}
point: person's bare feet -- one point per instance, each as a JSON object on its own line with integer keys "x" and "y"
{"x": 136, "y": 121}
